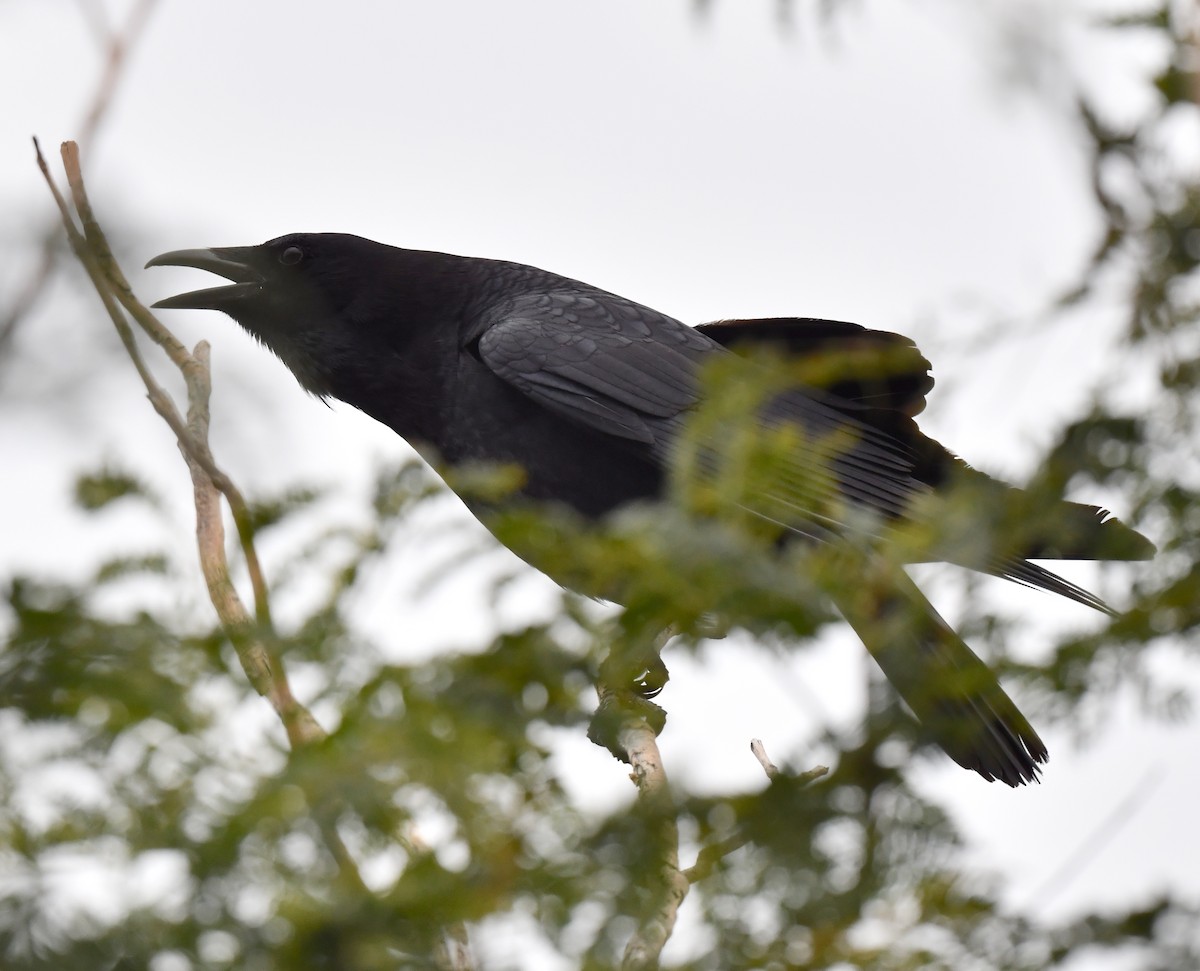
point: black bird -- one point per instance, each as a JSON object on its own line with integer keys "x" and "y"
{"x": 587, "y": 392}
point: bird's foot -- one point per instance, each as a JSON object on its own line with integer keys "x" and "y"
{"x": 649, "y": 682}
{"x": 619, "y": 710}
{"x": 625, "y": 691}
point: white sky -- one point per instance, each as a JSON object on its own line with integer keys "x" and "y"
{"x": 882, "y": 173}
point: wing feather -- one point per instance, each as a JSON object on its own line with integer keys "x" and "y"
{"x": 629, "y": 371}
{"x": 602, "y": 361}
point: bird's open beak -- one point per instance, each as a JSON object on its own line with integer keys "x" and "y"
{"x": 234, "y": 263}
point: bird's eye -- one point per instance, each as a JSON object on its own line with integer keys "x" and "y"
{"x": 291, "y": 256}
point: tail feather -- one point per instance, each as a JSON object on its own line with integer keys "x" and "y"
{"x": 971, "y": 512}
{"x": 995, "y": 528}
{"x": 958, "y": 700}
{"x": 1074, "y": 531}
{"x": 1032, "y": 575}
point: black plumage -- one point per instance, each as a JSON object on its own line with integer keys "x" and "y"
{"x": 589, "y": 393}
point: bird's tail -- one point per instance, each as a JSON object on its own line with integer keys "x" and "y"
{"x": 995, "y": 528}
{"x": 1074, "y": 531}
{"x": 957, "y": 699}
{"x": 1065, "y": 531}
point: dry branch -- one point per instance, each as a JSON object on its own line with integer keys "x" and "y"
{"x": 116, "y": 56}
{"x": 251, "y": 637}
{"x": 760, "y": 753}
{"x": 714, "y": 853}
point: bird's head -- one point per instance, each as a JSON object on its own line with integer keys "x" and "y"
{"x": 309, "y": 297}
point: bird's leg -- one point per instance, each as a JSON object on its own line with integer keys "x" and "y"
{"x": 629, "y": 677}
{"x": 649, "y": 682}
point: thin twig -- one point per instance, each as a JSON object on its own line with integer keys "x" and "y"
{"x": 709, "y": 856}
{"x": 253, "y": 640}
{"x": 760, "y": 753}
{"x": 97, "y": 249}
{"x": 264, "y": 669}
{"x": 33, "y": 287}
{"x": 265, "y": 673}
{"x": 116, "y": 57}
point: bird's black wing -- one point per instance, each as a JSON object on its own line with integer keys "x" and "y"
{"x": 598, "y": 360}
{"x": 629, "y": 371}
{"x": 882, "y": 379}
{"x": 958, "y": 700}
{"x": 874, "y": 368}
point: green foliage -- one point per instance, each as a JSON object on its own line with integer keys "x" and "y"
{"x": 266, "y": 512}
{"x": 437, "y": 799}
{"x": 133, "y": 749}
{"x": 96, "y": 490}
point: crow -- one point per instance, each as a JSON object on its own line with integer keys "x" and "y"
{"x": 589, "y": 394}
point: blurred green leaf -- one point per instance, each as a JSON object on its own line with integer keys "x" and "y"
{"x": 96, "y": 490}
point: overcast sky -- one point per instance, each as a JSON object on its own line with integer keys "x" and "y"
{"x": 883, "y": 170}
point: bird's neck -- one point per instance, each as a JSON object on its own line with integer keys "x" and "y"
{"x": 412, "y": 324}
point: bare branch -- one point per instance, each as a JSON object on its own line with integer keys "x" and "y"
{"x": 252, "y": 641}
{"x": 116, "y": 57}
{"x": 760, "y": 753}
{"x": 33, "y": 287}
{"x": 264, "y": 669}
{"x": 1090, "y": 846}
{"x": 638, "y": 741}
{"x": 252, "y": 638}
{"x": 627, "y": 724}
{"x": 97, "y": 249}
{"x": 714, "y": 853}
{"x": 265, "y": 672}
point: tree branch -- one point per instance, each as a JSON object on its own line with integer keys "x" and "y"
{"x": 252, "y": 638}
{"x": 709, "y": 856}
{"x": 760, "y": 753}
{"x": 93, "y": 250}
{"x": 637, "y": 739}
{"x": 265, "y": 672}
{"x": 118, "y": 45}
{"x": 627, "y": 724}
